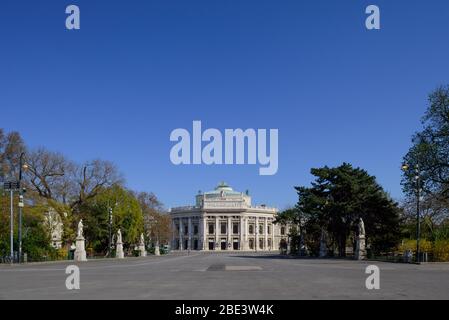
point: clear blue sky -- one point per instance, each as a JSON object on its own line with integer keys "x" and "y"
{"x": 139, "y": 69}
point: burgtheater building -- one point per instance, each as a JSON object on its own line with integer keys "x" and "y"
{"x": 224, "y": 219}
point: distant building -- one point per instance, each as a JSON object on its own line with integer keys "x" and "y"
{"x": 224, "y": 219}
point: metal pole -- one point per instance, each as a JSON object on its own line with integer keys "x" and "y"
{"x": 20, "y": 206}
{"x": 12, "y": 226}
{"x": 110, "y": 232}
{"x": 418, "y": 222}
{"x": 20, "y": 225}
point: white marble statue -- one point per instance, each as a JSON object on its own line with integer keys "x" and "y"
{"x": 119, "y": 236}
{"x": 142, "y": 240}
{"x": 143, "y": 252}
{"x": 156, "y": 249}
{"x": 119, "y": 246}
{"x": 80, "y": 229}
{"x": 361, "y": 227}
{"x": 80, "y": 251}
{"x": 360, "y": 251}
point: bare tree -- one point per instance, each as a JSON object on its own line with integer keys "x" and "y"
{"x": 11, "y": 146}
{"x": 49, "y": 174}
{"x": 156, "y": 221}
{"x": 92, "y": 177}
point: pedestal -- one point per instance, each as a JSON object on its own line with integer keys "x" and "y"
{"x": 119, "y": 251}
{"x": 323, "y": 249}
{"x": 80, "y": 251}
{"x": 142, "y": 251}
{"x": 360, "y": 251}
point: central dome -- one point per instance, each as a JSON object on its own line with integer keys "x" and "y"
{"x": 223, "y": 189}
{"x": 223, "y": 186}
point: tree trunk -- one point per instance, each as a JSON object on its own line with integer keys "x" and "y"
{"x": 342, "y": 246}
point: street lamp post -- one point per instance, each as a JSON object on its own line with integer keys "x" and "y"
{"x": 110, "y": 232}
{"x": 12, "y": 225}
{"x": 417, "y": 177}
{"x": 11, "y": 186}
{"x": 21, "y": 190}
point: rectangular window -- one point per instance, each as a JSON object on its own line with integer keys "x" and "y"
{"x": 223, "y": 227}
{"x": 261, "y": 229}
{"x": 195, "y": 229}
{"x": 186, "y": 229}
{"x": 235, "y": 228}
{"x": 251, "y": 229}
{"x": 282, "y": 230}
{"x": 211, "y": 228}
{"x": 269, "y": 229}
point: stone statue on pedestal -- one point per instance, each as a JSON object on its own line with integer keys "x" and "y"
{"x": 80, "y": 229}
{"x": 360, "y": 251}
{"x": 119, "y": 247}
{"x": 142, "y": 251}
{"x": 361, "y": 227}
{"x": 323, "y": 244}
{"x": 80, "y": 251}
{"x": 156, "y": 249}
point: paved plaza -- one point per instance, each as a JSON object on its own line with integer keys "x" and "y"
{"x": 224, "y": 276}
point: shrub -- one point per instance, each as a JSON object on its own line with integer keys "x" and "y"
{"x": 62, "y": 254}
{"x": 441, "y": 250}
{"x": 425, "y": 246}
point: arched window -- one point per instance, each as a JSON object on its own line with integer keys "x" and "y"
{"x": 283, "y": 231}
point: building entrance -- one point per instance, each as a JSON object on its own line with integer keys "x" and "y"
{"x": 223, "y": 244}
{"x": 211, "y": 244}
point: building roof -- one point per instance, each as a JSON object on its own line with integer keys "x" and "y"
{"x": 223, "y": 188}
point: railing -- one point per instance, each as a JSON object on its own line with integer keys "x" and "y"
{"x": 184, "y": 208}
{"x": 264, "y": 208}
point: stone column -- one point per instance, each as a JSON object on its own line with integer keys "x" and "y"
{"x": 181, "y": 232}
{"x": 189, "y": 241}
{"x": 257, "y": 234}
{"x": 266, "y": 233}
{"x": 217, "y": 244}
{"x": 173, "y": 232}
{"x": 204, "y": 232}
{"x": 246, "y": 232}
{"x": 229, "y": 230}
{"x": 241, "y": 231}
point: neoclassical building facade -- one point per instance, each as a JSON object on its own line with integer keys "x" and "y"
{"x": 224, "y": 219}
